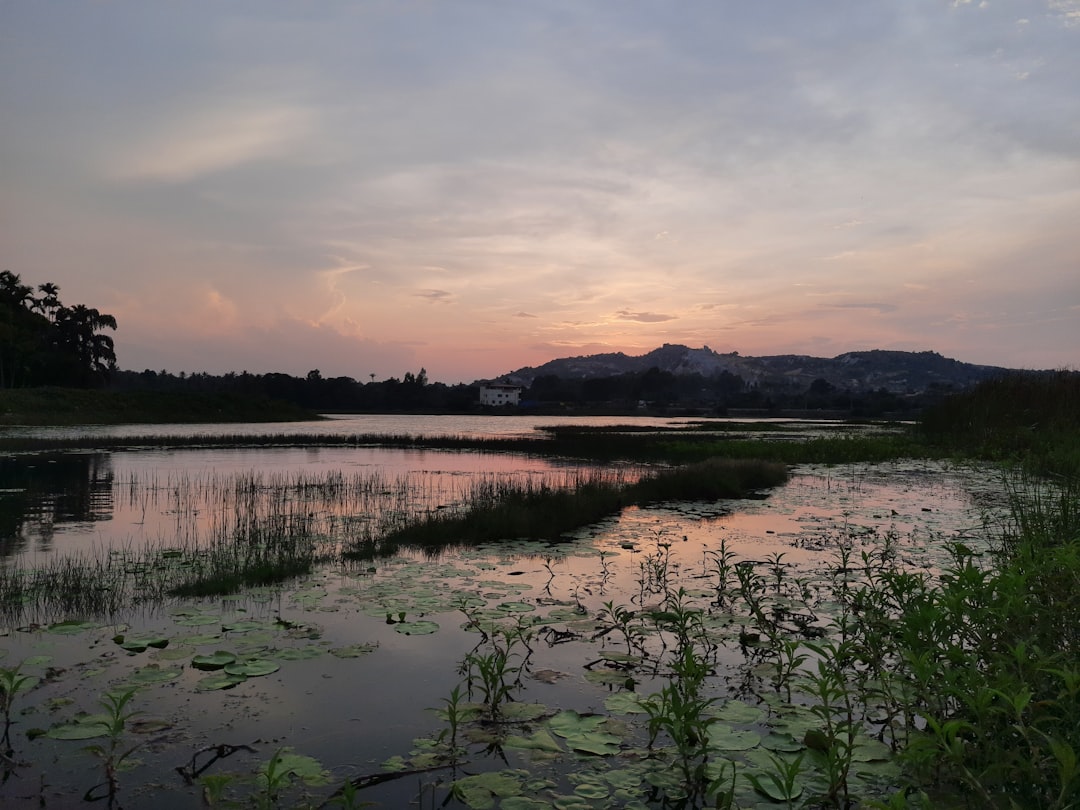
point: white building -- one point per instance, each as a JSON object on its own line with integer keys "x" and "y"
{"x": 497, "y": 394}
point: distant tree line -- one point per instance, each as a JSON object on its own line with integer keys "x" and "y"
{"x": 410, "y": 393}
{"x": 45, "y": 342}
{"x": 653, "y": 391}
{"x": 659, "y": 390}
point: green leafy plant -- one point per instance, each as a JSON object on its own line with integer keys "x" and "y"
{"x": 115, "y": 753}
{"x": 619, "y": 619}
{"x": 279, "y": 772}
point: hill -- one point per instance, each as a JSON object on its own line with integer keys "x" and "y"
{"x": 894, "y": 371}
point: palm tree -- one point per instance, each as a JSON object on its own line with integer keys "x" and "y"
{"x": 43, "y": 342}
{"x": 23, "y": 332}
{"x": 49, "y": 301}
{"x": 76, "y": 336}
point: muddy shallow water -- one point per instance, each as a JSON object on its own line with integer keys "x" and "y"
{"x": 366, "y": 653}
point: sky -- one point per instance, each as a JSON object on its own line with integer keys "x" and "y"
{"x": 374, "y": 187}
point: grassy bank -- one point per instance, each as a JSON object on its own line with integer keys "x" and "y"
{"x": 73, "y": 406}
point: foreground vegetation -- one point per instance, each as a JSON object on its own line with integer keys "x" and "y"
{"x": 967, "y": 675}
{"x": 958, "y": 678}
{"x": 971, "y": 675}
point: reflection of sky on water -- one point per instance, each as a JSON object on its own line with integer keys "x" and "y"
{"x": 355, "y": 424}
{"x": 64, "y": 503}
{"x": 352, "y": 714}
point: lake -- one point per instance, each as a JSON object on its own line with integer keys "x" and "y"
{"x": 351, "y": 670}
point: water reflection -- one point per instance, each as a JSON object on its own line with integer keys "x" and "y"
{"x": 64, "y": 503}
{"x": 42, "y": 491}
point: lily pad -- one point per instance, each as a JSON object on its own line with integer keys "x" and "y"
{"x": 480, "y": 790}
{"x": 583, "y": 733}
{"x": 219, "y": 680}
{"x": 725, "y": 738}
{"x": 86, "y": 727}
{"x": 216, "y": 660}
{"x": 252, "y": 667}
{"x": 736, "y": 711}
{"x": 592, "y": 790}
{"x": 870, "y": 750}
{"x": 523, "y": 712}
{"x": 540, "y": 741}
{"x": 624, "y": 703}
{"x": 769, "y": 785}
{"x": 138, "y": 644}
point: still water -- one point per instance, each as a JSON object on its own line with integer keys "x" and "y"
{"x": 358, "y": 424}
{"x": 365, "y": 654}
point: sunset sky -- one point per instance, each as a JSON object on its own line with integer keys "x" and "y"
{"x": 472, "y": 187}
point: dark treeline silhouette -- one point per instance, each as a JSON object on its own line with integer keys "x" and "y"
{"x": 411, "y": 393}
{"x": 653, "y": 391}
{"x": 658, "y": 390}
{"x": 44, "y": 342}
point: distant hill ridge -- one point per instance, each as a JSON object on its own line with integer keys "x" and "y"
{"x": 895, "y": 371}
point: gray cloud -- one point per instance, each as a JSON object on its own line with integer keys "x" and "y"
{"x": 533, "y": 153}
{"x": 644, "y": 317}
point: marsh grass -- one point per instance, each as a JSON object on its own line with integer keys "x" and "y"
{"x": 221, "y": 533}
{"x": 675, "y": 445}
{"x": 970, "y": 674}
{"x": 225, "y": 533}
{"x": 542, "y": 511}
{"x": 991, "y": 652}
{"x": 507, "y": 510}
{"x": 1031, "y": 419}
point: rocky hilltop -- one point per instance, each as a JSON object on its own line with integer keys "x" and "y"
{"x": 894, "y": 371}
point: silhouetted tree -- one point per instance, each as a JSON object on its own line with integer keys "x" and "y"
{"x": 43, "y": 342}
{"x": 77, "y": 336}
